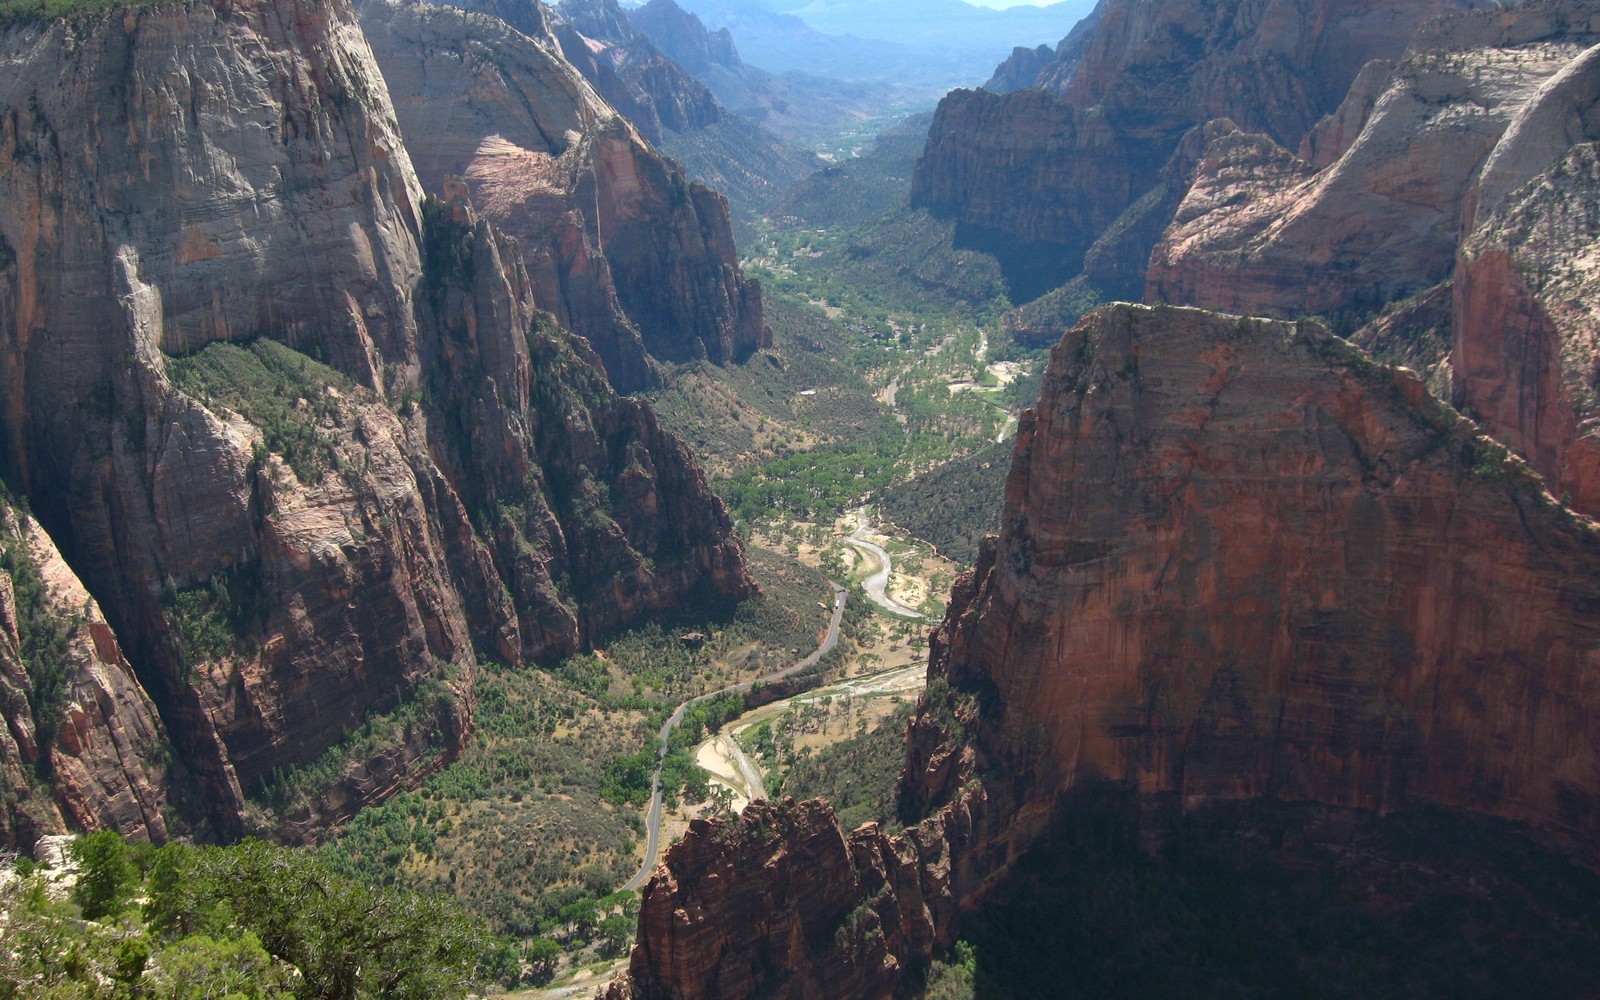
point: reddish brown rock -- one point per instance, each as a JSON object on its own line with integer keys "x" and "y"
{"x": 621, "y": 246}
{"x": 1526, "y": 353}
{"x": 83, "y": 746}
{"x": 1371, "y": 209}
{"x": 1238, "y": 560}
{"x": 469, "y": 456}
{"x": 1035, "y": 177}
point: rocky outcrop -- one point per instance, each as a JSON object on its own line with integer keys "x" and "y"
{"x": 1525, "y": 354}
{"x": 621, "y": 246}
{"x": 83, "y": 746}
{"x": 1238, "y": 560}
{"x": 725, "y": 150}
{"x": 1144, "y": 76}
{"x": 1463, "y": 166}
{"x": 684, "y": 39}
{"x": 286, "y": 548}
{"x": 1371, "y": 208}
{"x": 1021, "y": 69}
{"x": 1176, "y": 461}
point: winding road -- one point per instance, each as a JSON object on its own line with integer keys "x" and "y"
{"x": 652, "y": 819}
{"x": 877, "y": 584}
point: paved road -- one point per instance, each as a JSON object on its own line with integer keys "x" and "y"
{"x": 652, "y": 818}
{"x": 877, "y": 584}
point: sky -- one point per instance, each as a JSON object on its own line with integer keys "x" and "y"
{"x": 1003, "y": 4}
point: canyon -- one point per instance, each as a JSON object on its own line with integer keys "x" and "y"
{"x": 333, "y": 335}
{"x": 448, "y": 477}
{"x": 1238, "y": 560}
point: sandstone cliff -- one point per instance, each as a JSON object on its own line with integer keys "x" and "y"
{"x": 84, "y": 747}
{"x": 1146, "y": 74}
{"x": 1237, "y": 560}
{"x": 621, "y": 246}
{"x": 1371, "y": 208}
{"x": 725, "y": 150}
{"x": 1461, "y": 169}
{"x": 283, "y": 545}
{"x": 1525, "y": 354}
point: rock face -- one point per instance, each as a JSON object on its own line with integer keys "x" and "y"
{"x": 1237, "y": 560}
{"x": 667, "y": 103}
{"x": 76, "y": 715}
{"x": 1021, "y": 69}
{"x": 1371, "y": 208}
{"x": 285, "y": 548}
{"x": 684, "y": 39}
{"x": 1146, "y": 74}
{"x": 619, "y": 243}
{"x": 1525, "y": 286}
{"x": 1462, "y": 168}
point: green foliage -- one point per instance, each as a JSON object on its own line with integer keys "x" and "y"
{"x": 542, "y": 954}
{"x": 208, "y": 968}
{"x": 817, "y": 483}
{"x": 346, "y": 939}
{"x": 954, "y": 504}
{"x": 13, "y": 12}
{"x": 216, "y": 619}
{"x": 279, "y": 390}
{"x": 860, "y": 775}
{"x": 247, "y": 921}
{"x": 106, "y": 875}
{"x": 446, "y": 251}
{"x": 423, "y": 705}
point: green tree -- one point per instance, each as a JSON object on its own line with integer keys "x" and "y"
{"x": 106, "y": 874}
{"x": 206, "y": 968}
{"x": 542, "y": 955}
{"x": 616, "y": 932}
{"x": 578, "y": 915}
{"x": 347, "y": 940}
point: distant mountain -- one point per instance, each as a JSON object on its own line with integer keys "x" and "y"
{"x": 677, "y": 113}
{"x": 796, "y": 106}
{"x": 949, "y": 23}
{"x": 781, "y": 42}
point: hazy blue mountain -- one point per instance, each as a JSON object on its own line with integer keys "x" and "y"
{"x": 933, "y": 45}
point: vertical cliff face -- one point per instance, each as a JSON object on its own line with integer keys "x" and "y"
{"x": 1144, "y": 75}
{"x": 285, "y": 547}
{"x": 1371, "y": 207}
{"x": 684, "y": 39}
{"x": 672, "y": 106}
{"x": 1525, "y": 355}
{"x": 620, "y": 244}
{"x": 83, "y": 746}
{"x": 1178, "y": 461}
{"x": 1238, "y": 560}
{"x": 1464, "y": 163}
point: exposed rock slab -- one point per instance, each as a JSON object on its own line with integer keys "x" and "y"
{"x": 1371, "y": 208}
{"x": 1047, "y": 177}
{"x": 1524, "y": 318}
{"x": 621, "y": 246}
{"x": 83, "y": 746}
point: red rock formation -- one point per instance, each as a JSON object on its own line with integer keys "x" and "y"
{"x": 83, "y": 746}
{"x": 253, "y": 187}
{"x": 621, "y": 246}
{"x": 1051, "y": 176}
{"x": 1371, "y": 209}
{"x": 1237, "y": 560}
{"x": 1526, "y": 354}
